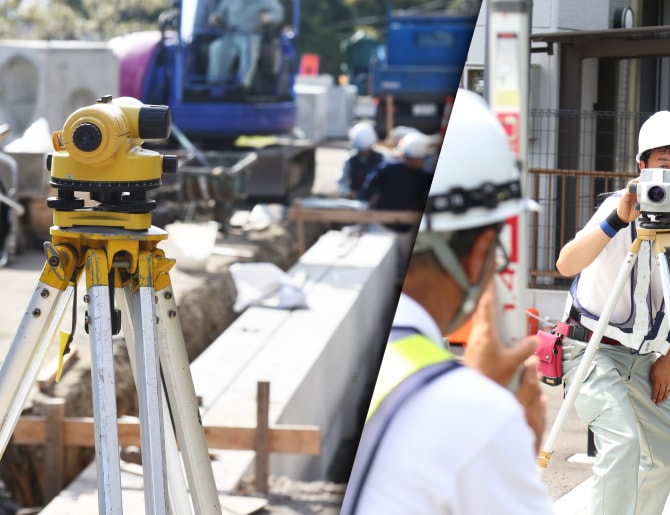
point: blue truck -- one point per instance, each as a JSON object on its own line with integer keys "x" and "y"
{"x": 419, "y": 67}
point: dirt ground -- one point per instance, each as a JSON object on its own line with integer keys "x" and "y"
{"x": 287, "y": 496}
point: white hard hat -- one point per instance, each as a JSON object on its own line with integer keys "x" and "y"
{"x": 476, "y": 181}
{"x": 476, "y": 184}
{"x": 414, "y": 145}
{"x": 363, "y": 136}
{"x": 654, "y": 133}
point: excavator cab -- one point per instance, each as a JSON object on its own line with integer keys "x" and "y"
{"x": 274, "y": 68}
{"x": 169, "y": 67}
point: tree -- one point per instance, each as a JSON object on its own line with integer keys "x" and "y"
{"x": 324, "y": 24}
{"x": 77, "y": 19}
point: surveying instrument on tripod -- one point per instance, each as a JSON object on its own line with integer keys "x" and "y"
{"x": 114, "y": 245}
{"x": 652, "y": 235}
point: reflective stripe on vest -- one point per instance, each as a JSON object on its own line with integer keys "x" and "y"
{"x": 402, "y": 358}
{"x": 409, "y": 364}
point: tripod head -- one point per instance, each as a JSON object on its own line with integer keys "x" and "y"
{"x": 100, "y": 151}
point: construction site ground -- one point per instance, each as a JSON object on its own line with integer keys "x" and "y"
{"x": 567, "y": 476}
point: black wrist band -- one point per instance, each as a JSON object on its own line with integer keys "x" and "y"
{"x": 615, "y": 222}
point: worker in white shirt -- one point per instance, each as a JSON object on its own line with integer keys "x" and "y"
{"x": 443, "y": 438}
{"x": 624, "y": 396}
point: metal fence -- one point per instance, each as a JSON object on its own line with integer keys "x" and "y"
{"x": 575, "y": 158}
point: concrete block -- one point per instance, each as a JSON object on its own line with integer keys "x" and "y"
{"x": 317, "y": 360}
{"x": 51, "y": 79}
{"x": 341, "y": 107}
{"x": 312, "y": 104}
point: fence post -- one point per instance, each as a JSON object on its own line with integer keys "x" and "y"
{"x": 262, "y": 444}
{"x": 53, "y": 448}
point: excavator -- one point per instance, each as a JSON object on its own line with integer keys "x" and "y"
{"x": 168, "y": 66}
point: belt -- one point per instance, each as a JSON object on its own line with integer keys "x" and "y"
{"x": 573, "y": 330}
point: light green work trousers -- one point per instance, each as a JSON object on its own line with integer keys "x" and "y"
{"x": 631, "y": 433}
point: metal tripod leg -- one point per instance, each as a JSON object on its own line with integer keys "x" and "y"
{"x": 147, "y": 374}
{"x": 149, "y": 389}
{"x": 179, "y": 390}
{"x": 580, "y": 373}
{"x": 184, "y": 404}
{"x": 36, "y": 331}
{"x": 104, "y": 390}
{"x": 177, "y": 488}
{"x": 662, "y": 244}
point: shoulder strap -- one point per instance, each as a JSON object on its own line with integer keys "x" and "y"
{"x": 378, "y": 423}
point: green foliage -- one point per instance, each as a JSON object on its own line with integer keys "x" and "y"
{"x": 77, "y": 19}
{"x": 324, "y": 24}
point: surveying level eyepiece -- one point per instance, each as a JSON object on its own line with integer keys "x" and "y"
{"x": 100, "y": 151}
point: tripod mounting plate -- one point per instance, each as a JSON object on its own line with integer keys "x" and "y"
{"x": 115, "y": 241}
{"x": 90, "y": 217}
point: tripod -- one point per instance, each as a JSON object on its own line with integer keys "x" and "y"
{"x": 660, "y": 238}
{"x": 126, "y": 265}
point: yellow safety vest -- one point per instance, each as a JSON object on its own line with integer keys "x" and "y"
{"x": 402, "y": 358}
{"x": 409, "y": 363}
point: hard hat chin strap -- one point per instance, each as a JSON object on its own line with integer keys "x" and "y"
{"x": 437, "y": 244}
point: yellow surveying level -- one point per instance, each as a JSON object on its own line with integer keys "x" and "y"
{"x": 114, "y": 244}
{"x": 100, "y": 151}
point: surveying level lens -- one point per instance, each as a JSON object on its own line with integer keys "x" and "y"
{"x": 656, "y": 194}
{"x": 87, "y": 137}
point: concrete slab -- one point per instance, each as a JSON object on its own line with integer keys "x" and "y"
{"x": 346, "y": 291}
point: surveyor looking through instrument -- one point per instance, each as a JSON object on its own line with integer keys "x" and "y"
{"x": 623, "y": 396}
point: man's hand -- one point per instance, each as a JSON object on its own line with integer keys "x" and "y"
{"x": 485, "y": 351}
{"x": 660, "y": 379}
{"x": 626, "y": 210}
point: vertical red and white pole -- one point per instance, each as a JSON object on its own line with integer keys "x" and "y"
{"x": 507, "y": 85}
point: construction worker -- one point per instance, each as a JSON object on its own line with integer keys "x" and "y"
{"x": 443, "y": 438}
{"x": 623, "y": 398}
{"x": 363, "y": 160}
{"x": 400, "y": 185}
{"x": 245, "y": 21}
